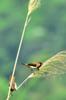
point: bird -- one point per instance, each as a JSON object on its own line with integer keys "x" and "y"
{"x": 14, "y": 85}
{"x": 34, "y": 65}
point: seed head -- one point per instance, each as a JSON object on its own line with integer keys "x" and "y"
{"x": 33, "y": 5}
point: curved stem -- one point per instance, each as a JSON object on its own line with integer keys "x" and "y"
{"x": 20, "y": 44}
{"x": 30, "y": 76}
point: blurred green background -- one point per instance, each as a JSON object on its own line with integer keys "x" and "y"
{"x": 44, "y": 36}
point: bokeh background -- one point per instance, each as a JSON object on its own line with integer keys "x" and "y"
{"x": 44, "y": 36}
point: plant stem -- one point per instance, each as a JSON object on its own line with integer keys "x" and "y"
{"x": 17, "y": 56}
{"x": 30, "y": 76}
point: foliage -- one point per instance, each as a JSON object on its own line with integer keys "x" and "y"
{"x": 45, "y": 36}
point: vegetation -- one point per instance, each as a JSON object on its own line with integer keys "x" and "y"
{"x": 45, "y": 36}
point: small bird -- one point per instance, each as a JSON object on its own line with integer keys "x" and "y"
{"x": 14, "y": 85}
{"x": 34, "y": 65}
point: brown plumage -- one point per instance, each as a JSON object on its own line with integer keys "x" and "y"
{"x": 14, "y": 86}
{"x": 33, "y": 65}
